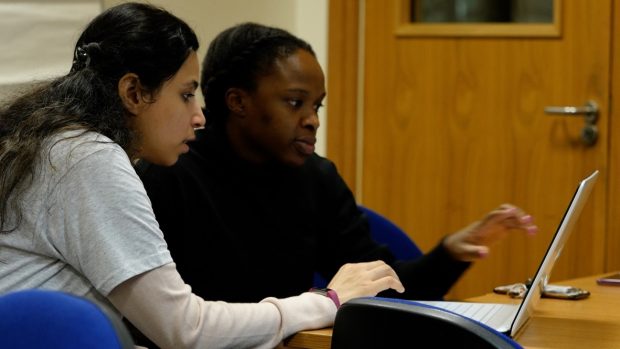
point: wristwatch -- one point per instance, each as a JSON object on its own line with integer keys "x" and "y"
{"x": 329, "y": 293}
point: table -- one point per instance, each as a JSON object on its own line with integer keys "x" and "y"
{"x": 593, "y": 322}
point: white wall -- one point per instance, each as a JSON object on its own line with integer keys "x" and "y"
{"x": 37, "y": 38}
{"x": 311, "y": 25}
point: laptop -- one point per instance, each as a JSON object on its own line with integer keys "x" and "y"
{"x": 509, "y": 318}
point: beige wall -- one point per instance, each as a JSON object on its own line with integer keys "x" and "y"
{"x": 304, "y": 18}
{"x": 37, "y": 39}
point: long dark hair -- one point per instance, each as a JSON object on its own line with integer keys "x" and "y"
{"x": 237, "y": 57}
{"x": 131, "y": 37}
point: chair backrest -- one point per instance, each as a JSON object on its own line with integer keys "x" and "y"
{"x": 33, "y": 319}
{"x": 384, "y": 232}
{"x": 374, "y": 323}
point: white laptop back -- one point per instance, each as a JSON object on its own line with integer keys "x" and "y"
{"x": 509, "y": 318}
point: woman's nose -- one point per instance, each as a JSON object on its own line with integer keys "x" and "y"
{"x": 198, "y": 120}
{"x": 312, "y": 121}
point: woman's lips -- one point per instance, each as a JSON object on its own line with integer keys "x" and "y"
{"x": 305, "y": 146}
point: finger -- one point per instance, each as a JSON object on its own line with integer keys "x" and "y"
{"x": 531, "y": 229}
{"x": 382, "y": 270}
{"x": 507, "y": 206}
{"x": 387, "y": 282}
{"x": 511, "y": 217}
{"x": 525, "y": 223}
{"x": 502, "y": 214}
{"x": 472, "y": 252}
{"x": 371, "y": 265}
{"x": 526, "y": 219}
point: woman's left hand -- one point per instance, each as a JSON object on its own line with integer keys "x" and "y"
{"x": 472, "y": 242}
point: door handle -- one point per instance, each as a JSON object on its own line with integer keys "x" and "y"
{"x": 589, "y": 132}
{"x": 589, "y": 110}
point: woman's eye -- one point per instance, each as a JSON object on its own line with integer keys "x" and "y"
{"x": 295, "y": 103}
{"x": 187, "y": 96}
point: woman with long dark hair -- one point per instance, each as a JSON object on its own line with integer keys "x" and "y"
{"x": 75, "y": 217}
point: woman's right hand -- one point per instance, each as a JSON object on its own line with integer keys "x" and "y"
{"x": 364, "y": 279}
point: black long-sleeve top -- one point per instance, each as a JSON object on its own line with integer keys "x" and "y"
{"x": 239, "y": 232}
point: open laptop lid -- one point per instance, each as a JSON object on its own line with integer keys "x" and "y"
{"x": 553, "y": 252}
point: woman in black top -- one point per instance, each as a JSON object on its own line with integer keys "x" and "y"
{"x": 251, "y": 211}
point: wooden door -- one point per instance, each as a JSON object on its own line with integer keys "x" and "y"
{"x": 453, "y": 126}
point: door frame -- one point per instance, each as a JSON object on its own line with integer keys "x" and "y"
{"x": 612, "y": 258}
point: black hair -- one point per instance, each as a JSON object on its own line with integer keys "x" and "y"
{"x": 237, "y": 57}
{"x": 129, "y": 38}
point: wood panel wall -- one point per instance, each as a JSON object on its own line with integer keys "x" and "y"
{"x": 342, "y": 87}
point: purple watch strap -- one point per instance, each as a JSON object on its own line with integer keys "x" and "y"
{"x": 329, "y": 293}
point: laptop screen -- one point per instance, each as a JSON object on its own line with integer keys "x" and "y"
{"x": 553, "y": 251}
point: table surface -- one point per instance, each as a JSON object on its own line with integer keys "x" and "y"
{"x": 593, "y": 322}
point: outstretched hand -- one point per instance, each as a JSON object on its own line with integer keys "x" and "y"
{"x": 473, "y": 241}
{"x": 364, "y": 279}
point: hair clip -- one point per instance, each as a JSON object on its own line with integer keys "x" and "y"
{"x": 81, "y": 59}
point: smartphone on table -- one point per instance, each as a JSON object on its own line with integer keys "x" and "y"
{"x": 549, "y": 291}
{"x": 564, "y": 292}
{"x": 613, "y": 279}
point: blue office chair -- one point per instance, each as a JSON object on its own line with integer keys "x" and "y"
{"x": 374, "y": 323}
{"x": 384, "y": 232}
{"x": 38, "y": 319}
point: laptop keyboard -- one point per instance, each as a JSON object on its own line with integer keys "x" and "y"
{"x": 493, "y": 315}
